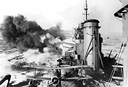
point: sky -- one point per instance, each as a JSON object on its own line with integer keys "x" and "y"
{"x": 69, "y": 13}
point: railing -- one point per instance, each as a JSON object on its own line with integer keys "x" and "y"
{"x": 7, "y": 77}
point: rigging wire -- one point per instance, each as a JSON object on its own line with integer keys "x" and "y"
{"x": 97, "y": 47}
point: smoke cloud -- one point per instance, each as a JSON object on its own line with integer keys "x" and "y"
{"x": 22, "y": 34}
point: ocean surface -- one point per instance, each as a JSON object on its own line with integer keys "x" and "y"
{"x": 111, "y": 44}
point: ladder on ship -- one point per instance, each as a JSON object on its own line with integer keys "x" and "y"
{"x": 117, "y": 66}
{"x": 116, "y": 77}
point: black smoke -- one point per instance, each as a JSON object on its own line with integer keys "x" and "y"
{"x": 22, "y": 34}
{"x": 57, "y": 32}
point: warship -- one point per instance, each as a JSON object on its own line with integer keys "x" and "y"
{"x": 83, "y": 64}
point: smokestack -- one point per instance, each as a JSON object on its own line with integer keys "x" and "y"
{"x": 91, "y": 43}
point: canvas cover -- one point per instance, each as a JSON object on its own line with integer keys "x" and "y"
{"x": 125, "y": 25}
{"x": 125, "y": 55}
{"x": 125, "y": 19}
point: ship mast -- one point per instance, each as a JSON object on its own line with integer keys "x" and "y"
{"x": 86, "y": 9}
{"x": 86, "y": 13}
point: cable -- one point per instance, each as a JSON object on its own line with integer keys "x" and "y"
{"x": 97, "y": 47}
{"x": 87, "y": 52}
{"x": 86, "y": 55}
